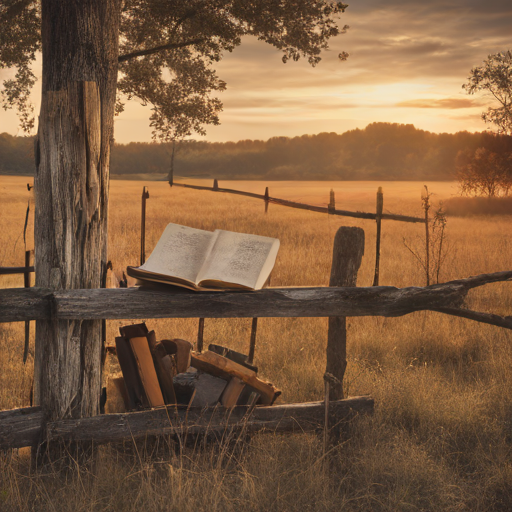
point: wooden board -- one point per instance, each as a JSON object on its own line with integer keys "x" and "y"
{"x": 147, "y": 371}
{"x": 22, "y": 427}
{"x": 20, "y": 304}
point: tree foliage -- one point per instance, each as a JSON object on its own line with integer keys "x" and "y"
{"x": 494, "y": 78}
{"x": 168, "y": 49}
{"x": 20, "y": 40}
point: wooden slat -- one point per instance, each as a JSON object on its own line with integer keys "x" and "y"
{"x": 20, "y": 427}
{"x": 18, "y": 304}
{"x": 135, "y": 303}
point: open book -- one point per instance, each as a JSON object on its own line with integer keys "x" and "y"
{"x": 205, "y": 260}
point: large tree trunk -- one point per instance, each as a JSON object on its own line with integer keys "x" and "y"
{"x": 80, "y": 51}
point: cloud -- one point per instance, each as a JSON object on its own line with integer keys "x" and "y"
{"x": 446, "y": 103}
{"x": 402, "y": 52}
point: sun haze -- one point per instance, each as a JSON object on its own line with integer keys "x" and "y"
{"x": 408, "y": 60}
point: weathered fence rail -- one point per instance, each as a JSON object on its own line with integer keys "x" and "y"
{"x": 24, "y": 427}
{"x": 30, "y": 426}
{"x": 21, "y": 304}
{"x": 302, "y": 206}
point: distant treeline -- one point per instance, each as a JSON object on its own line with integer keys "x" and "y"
{"x": 380, "y": 151}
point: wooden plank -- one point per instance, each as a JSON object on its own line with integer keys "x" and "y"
{"x": 20, "y": 427}
{"x": 292, "y": 302}
{"x": 307, "y": 417}
{"x": 19, "y": 304}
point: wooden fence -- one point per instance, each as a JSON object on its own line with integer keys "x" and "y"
{"x": 331, "y": 209}
{"x": 342, "y": 299}
{"x": 25, "y": 427}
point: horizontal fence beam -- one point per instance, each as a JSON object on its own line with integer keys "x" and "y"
{"x": 22, "y": 427}
{"x": 19, "y": 304}
{"x": 303, "y": 206}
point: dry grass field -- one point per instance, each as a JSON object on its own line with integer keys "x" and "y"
{"x": 441, "y": 435}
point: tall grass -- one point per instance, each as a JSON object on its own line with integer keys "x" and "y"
{"x": 441, "y": 435}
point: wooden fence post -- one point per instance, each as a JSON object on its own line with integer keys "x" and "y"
{"x": 332, "y": 202}
{"x": 252, "y": 346}
{"x": 215, "y": 184}
{"x": 200, "y": 335}
{"x": 266, "y": 199}
{"x": 347, "y": 254}
{"x": 380, "y": 206}
{"x": 145, "y": 195}
{"x": 26, "y": 279}
{"x": 426, "y": 208}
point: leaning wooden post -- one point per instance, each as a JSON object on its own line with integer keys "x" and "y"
{"x": 266, "y": 199}
{"x": 380, "y": 206}
{"x": 145, "y": 195}
{"x": 347, "y": 254}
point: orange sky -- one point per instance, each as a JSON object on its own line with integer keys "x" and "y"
{"x": 408, "y": 61}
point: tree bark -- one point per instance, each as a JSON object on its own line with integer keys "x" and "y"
{"x": 80, "y": 52}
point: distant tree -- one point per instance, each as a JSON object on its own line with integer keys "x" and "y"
{"x": 495, "y": 79}
{"x": 484, "y": 173}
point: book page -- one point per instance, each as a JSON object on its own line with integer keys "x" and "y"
{"x": 241, "y": 259}
{"x": 180, "y": 252}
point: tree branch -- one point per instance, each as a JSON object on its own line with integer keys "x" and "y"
{"x": 156, "y": 49}
{"x": 485, "y": 318}
{"x": 15, "y": 9}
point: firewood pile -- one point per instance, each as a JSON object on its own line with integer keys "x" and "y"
{"x": 168, "y": 372}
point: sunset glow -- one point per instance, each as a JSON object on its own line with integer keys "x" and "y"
{"x": 408, "y": 61}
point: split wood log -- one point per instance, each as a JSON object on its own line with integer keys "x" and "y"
{"x": 347, "y": 255}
